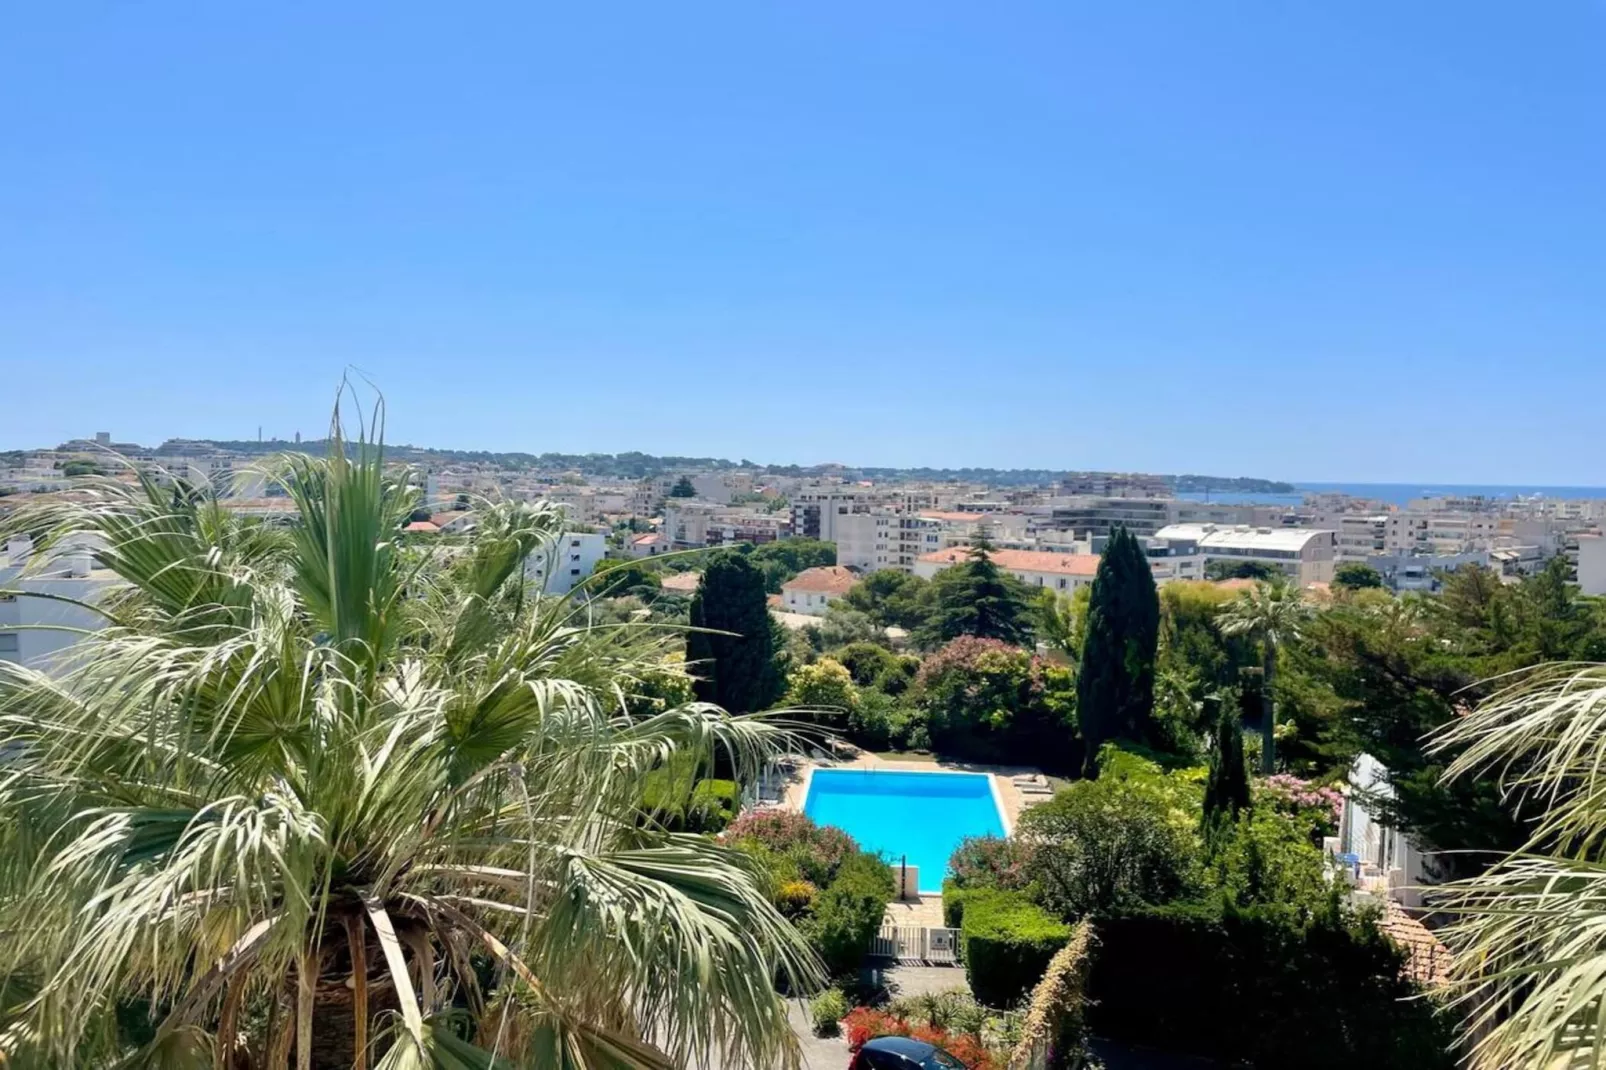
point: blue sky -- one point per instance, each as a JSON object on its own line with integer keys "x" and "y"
{"x": 1359, "y": 240}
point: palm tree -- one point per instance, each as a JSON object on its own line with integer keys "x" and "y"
{"x": 319, "y": 798}
{"x": 1271, "y": 613}
{"x": 1530, "y": 940}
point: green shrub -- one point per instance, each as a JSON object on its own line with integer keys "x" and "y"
{"x": 1270, "y": 985}
{"x": 827, "y": 1011}
{"x": 1266, "y": 857}
{"x": 1105, "y": 844}
{"x": 713, "y": 805}
{"x": 848, "y": 913}
{"x": 1008, "y": 942}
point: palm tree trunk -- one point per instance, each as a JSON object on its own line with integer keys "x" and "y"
{"x": 1268, "y": 711}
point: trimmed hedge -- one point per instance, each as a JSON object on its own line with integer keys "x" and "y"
{"x": 1008, "y": 942}
{"x": 1266, "y": 985}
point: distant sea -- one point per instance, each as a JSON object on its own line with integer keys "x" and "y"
{"x": 1393, "y": 493}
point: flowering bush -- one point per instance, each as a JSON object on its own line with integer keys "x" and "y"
{"x": 990, "y": 862}
{"x": 1320, "y": 807}
{"x": 817, "y": 850}
{"x": 989, "y": 701}
{"x": 796, "y": 898}
{"x": 864, "y": 1024}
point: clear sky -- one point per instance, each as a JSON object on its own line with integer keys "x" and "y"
{"x": 1357, "y": 240}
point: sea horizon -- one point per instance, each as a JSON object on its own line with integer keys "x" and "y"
{"x": 1397, "y": 493}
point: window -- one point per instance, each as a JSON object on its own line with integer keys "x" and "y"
{"x": 574, "y": 572}
{"x": 8, "y": 643}
{"x": 574, "y": 542}
{"x": 8, "y": 598}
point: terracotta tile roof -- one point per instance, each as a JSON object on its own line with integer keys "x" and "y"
{"x": 774, "y": 601}
{"x": 827, "y": 579}
{"x": 647, "y": 539}
{"x": 1023, "y": 560}
{"x": 1427, "y": 961}
{"x": 421, "y": 525}
{"x": 440, "y": 520}
{"x": 684, "y": 582}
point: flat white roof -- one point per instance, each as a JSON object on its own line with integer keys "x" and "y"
{"x": 1242, "y": 537}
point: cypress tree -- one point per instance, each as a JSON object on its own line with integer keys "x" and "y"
{"x": 738, "y": 671}
{"x": 1115, "y": 685}
{"x": 1226, "y": 792}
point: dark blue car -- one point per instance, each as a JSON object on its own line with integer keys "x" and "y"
{"x": 902, "y": 1053}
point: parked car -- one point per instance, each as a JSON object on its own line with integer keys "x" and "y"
{"x": 902, "y": 1053}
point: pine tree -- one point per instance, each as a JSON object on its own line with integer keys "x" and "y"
{"x": 738, "y": 671}
{"x": 976, "y": 598}
{"x": 1226, "y": 792}
{"x": 1115, "y": 685}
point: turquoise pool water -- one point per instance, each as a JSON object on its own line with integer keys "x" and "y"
{"x": 918, "y": 816}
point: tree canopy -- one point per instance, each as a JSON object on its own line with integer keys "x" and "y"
{"x": 976, "y": 598}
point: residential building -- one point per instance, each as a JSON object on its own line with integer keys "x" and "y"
{"x": 886, "y": 539}
{"x": 813, "y": 589}
{"x": 34, "y": 630}
{"x": 649, "y": 545}
{"x": 1422, "y": 572}
{"x": 1304, "y": 554}
{"x": 1592, "y": 564}
{"x": 1100, "y": 516}
{"x": 566, "y": 562}
{"x": 1383, "y": 859}
{"x": 1035, "y": 568}
{"x": 1357, "y": 536}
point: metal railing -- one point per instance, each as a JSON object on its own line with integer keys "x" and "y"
{"x": 916, "y": 944}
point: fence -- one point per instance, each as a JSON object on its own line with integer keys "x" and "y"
{"x": 916, "y": 943}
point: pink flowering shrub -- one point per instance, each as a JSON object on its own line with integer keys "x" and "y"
{"x": 816, "y": 850}
{"x": 990, "y": 862}
{"x": 1319, "y": 807}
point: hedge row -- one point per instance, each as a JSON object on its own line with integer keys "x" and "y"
{"x": 1008, "y": 942}
{"x": 1053, "y": 1033}
{"x": 1265, "y": 985}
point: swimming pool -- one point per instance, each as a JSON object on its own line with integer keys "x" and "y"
{"x": 920, "y": 817}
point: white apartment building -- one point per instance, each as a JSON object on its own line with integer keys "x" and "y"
{"x": 564, "y": 564}
{"x": 886, "y": 539}
{"x": 1592, "y": 564}
{"x": 29, "y": 627}
{"x": 1357, "y": 536}
{"x": 813, "y": 589}
{"x": 1305, "y": 554}
{"x": 1035, "y": 568}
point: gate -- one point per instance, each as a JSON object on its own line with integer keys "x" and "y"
{"x": 916, "y": 944}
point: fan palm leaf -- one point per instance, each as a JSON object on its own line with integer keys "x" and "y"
{"x": 317, "y": 794}
{"x": 1530, "y": 936}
